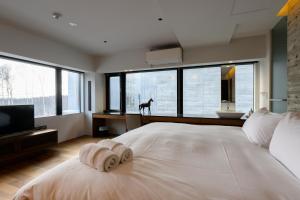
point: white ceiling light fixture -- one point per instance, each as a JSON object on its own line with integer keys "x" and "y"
{"x": 73, "y": 24}
{"x": 56, "y": 15}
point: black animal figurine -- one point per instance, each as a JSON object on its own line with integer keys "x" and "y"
{"x": 146, "y": 105}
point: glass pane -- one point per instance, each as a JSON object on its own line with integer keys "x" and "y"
{"x": 114, "y": 91}
{"x": 26, "y": 83}
{"x": 244, "y": 88}
{"x": 70, "y": 92}
{"x": 161, "y": 86}
{"x": 201, "y": 90}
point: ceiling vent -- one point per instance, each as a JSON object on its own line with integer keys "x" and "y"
{"x": 164, "y": 57}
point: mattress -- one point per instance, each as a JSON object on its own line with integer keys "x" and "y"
{"x": 174, "y": 161}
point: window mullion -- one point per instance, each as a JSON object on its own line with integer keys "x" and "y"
{"x": 123, "y": 92}
{"x": 179, "y": 91}
{"x": 58, "y": 92}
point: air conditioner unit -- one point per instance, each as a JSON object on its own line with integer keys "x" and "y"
{"x": 165, "y": 56}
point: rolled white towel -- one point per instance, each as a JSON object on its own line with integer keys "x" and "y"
{"x": 98, "y": 157}
{"x": 125, "y": 153}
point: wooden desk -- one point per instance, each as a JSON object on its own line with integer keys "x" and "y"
{"x": 190, "y": 119}
{"x": 99, "y": 119}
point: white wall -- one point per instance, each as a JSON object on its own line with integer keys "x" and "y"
{"x": 265, "y": 75}
{"x": 126, "y": 60}
{"x": 97, "y": 100}
{"x": 21, "y": 43}
{"x": 251, "y": 48}
{"x": 68, "y": 126}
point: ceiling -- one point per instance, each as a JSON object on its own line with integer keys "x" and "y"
{"x": 134, "y": 24}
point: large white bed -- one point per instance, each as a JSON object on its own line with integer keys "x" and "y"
{"x": 174, "y": 161}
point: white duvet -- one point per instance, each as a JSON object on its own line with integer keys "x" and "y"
{"x": 174, "y": 161}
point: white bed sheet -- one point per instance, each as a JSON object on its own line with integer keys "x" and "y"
{"x": 174, "y": 161}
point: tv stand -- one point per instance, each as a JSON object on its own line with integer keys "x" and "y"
{"x": 19, "y": 144}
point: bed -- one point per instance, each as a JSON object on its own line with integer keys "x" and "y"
{"x": 174, "y": 161}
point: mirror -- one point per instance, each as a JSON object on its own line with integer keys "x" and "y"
{"x": 228, "y": 84}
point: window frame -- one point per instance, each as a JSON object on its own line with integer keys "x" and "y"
{"x": 179, "y": 83}
{"x": 58, "y": 83}
{"x": 122, "y": 91}
{"x": 81, "y": 86}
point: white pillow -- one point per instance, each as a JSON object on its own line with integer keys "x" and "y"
{"x": 285, "y": 144}
{"x": 260, "y": 126}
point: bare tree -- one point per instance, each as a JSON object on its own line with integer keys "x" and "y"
{"x": 6, "y": 85}
{"x": 42, "y": 82}
{"x": 2, "y": 81}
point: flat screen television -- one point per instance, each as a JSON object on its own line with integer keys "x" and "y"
{"x": 16, "y": 118}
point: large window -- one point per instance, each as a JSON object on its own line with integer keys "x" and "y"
{"x": 161, "y": 86}
{"x": 24, "y": 83}
{"x": 71, "y": 92}
{"x": 114, "y": 93}
{"x": 201, "y": 90}
{"x": 188, "y": 91}
{"x": 244, "y": 89}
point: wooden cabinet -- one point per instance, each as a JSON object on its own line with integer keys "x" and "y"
{"x": 99, "y": 119}
{"x": 200, "y": 120}
{"x": 19, "y": 144}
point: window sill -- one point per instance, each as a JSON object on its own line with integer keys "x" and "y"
{"x": 51, "y": 116}
{"x": 67, "y": 114}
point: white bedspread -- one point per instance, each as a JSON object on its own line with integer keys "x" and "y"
{"x": 174, "y": 161}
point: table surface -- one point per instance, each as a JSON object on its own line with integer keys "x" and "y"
{"x": 103, "y": 114}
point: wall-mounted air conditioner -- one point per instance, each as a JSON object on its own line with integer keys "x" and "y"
{"x": 164, "y": 57}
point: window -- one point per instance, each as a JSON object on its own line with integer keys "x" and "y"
{"x": 189, "y": 91}
{"x": 115, "y": 93}
{"x": 161, "y": 86}
{"x": 244, "y": 90}
{"x": 71, "y": 92}
{"x": 27, "y": 83}
{"x": 201, "y": 90}
{"x": 51, "y": 90}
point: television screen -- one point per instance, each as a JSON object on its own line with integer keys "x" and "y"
{"x": 16, "y": 118}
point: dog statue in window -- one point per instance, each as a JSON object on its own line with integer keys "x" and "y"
{"x": 146, "y": 105}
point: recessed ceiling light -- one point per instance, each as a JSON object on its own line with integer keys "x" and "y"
{"x": 160, "y": 19}
{"x": 73, "y": 24}
{"x": 56, "y": 15}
